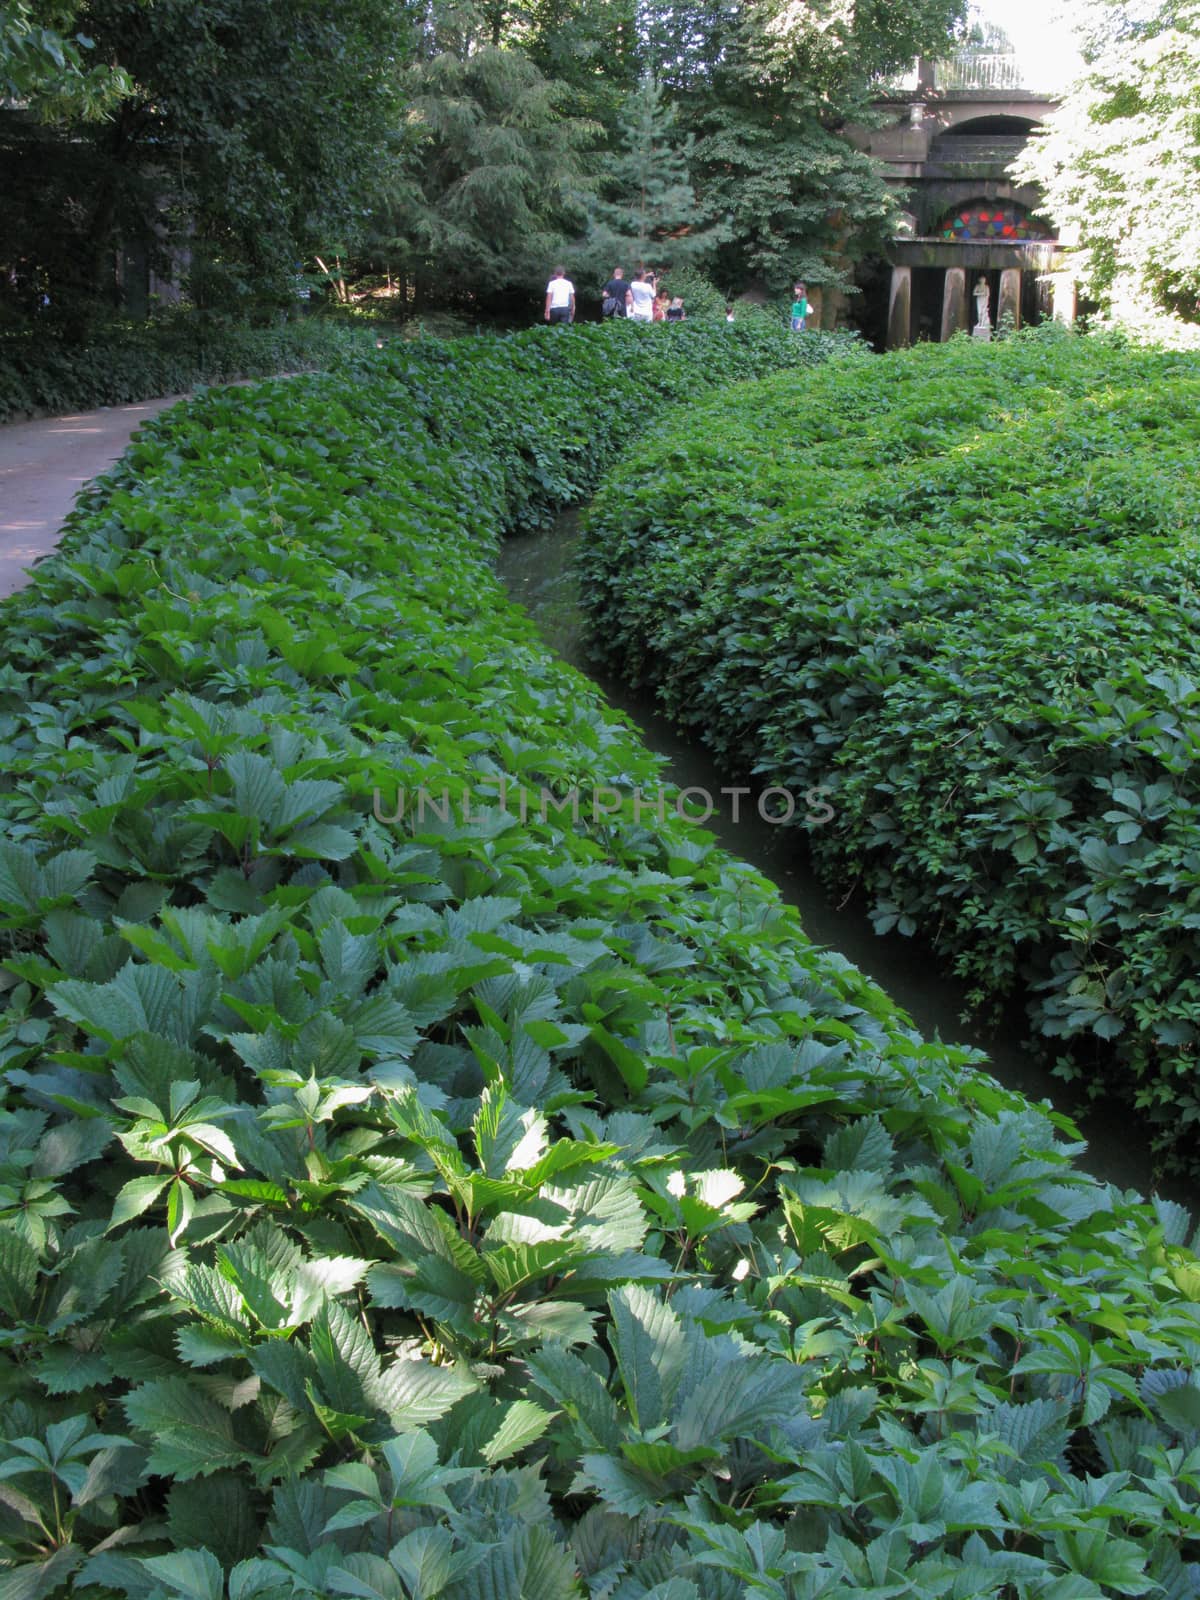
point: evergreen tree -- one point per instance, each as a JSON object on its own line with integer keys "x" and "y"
{"x": 648, "y": 212}
{"x": 484, "y": 200}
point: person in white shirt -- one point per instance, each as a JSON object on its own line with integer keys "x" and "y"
{"x": 560, "y": 297}
{"x": 642, "y": 293}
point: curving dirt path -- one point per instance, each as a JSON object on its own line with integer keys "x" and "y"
{"x": 43, "y": 466}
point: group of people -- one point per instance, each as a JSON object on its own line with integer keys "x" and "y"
{"x": 639, "y": 298}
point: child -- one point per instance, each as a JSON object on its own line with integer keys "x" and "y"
{"x": 675, "y": 311}
{"x": 800, "y": 308}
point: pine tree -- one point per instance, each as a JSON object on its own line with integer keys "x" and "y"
{"x": 648, "y": 213}
{"x": 484, "y": 200}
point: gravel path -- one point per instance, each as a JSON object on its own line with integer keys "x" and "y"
{"x": 43, "y": 466}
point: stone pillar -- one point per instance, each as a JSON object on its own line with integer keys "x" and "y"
{"x": 1062, "y": 298}
{"x": 1010, "y": 296}
{"x": 954, "y": 303}
{"x": 899, "y": 308}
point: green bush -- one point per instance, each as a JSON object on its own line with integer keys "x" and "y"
{"x": 479, "y": 1206}
{"x": 961, "y": 586}
{"x": 135, "y": 361}
{"x": 701, "y": 298}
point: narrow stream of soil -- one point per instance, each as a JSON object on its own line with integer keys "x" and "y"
{"x": 538, "y": 571}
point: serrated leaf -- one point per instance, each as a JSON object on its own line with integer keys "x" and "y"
{"x": 216, "y": 1513}
{"x": 651, "y": 1351}
{"x": 64, "y": 1370}
{"x": 192, "y": 1436}
{"x": 191, "y": 1574}
{"x": 18, "y": 1275}
{"x": 412, "y": 1393}
{"x": 135, "y": 1197}
{"x": 522, "y": 1423}
{"x": 428, "y": 1562}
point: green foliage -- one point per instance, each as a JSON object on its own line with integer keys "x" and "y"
{"x": 249, "y": 136}
{"x": 489, "y": 158}
{"x": 960, "y": 588}
{"x": 131, "y": 362}
{"x": 49, "y": 69}
{"x": 768, "y": 89}
{"x": 479, "y": 1207}
{"x": 1117, "y": 165}
{"x": 647, "y": 213}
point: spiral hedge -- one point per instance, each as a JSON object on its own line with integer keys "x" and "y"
{"x": 477, "y": 1204}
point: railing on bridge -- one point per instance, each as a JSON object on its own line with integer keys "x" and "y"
{"x": 972, "y": 69}
{"x": 968, "y": 69}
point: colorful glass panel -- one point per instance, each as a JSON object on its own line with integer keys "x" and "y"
{"x": 970, "y": 224}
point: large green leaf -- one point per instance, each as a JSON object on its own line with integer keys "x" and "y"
{"x": 190, "y": 1435}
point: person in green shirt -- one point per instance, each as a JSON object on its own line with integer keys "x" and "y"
{"x": 800, "y": 308}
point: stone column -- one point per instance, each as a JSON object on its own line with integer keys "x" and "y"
{"x": 1010, "y": 296}
{"x": 954, "y": 303}
{"x": 1062, "y": 298}
{"x": 899, "y": 308}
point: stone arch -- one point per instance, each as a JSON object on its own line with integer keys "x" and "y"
{"x": 1016, "y": 117}
{"x": 999, "y": 125}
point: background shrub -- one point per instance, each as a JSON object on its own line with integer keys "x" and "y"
{"x": 137, "y": 361}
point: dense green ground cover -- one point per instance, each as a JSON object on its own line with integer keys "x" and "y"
{"x": 134, "y": 361}
{"x": 960, "y": 586}
{"x": 482, "y": 1208}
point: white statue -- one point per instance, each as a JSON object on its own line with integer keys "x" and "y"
{"x": 983, "y": 322}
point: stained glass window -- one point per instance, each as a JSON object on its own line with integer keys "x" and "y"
{"x": 968, "y": 224}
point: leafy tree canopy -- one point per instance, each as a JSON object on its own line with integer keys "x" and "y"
{"x": 781, "y": 82}
{"x": 249, "y": 134}
{"x": 1119, "y": 160}
{"x": 47, "y": 68}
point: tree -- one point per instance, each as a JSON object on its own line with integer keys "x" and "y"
{"x": 781, "y": 83}
{"x": 492, "y": 158}
{"x": 1120, "y": 161}
{"x": 648, "y": 210}
{"x": 251, "y": 134}
{"x": 592, "y": 48}
{"x": 47, "y": 69}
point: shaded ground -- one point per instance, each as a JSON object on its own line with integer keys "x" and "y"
{"x": 43, "y": 466}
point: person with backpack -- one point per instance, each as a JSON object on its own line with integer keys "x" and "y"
{"x": 615, "y": 302}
